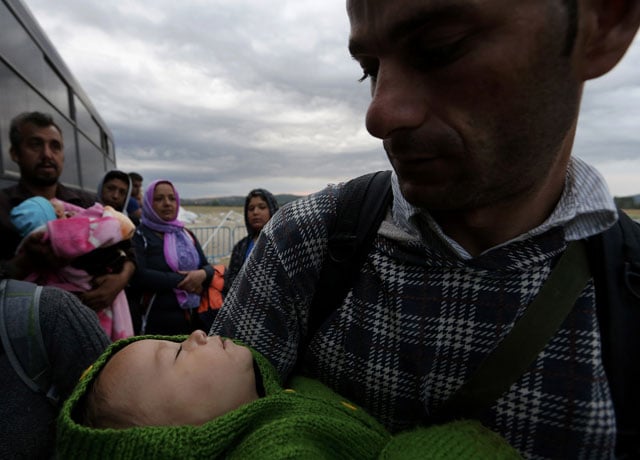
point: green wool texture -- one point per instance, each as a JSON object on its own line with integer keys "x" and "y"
{"x": 307, "y": 420}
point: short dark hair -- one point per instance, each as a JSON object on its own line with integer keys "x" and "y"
{"x": 135, "y": 176}
{"x": 39, "y": 119}
{"x": 117, "y": 174}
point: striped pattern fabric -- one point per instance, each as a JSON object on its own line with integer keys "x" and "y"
{"x": 418, "y": 321}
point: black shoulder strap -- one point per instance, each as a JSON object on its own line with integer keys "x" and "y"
{"x": 362, "y": 205}
{"x": 22, "y": 337}
{"x": 614, "y": 257}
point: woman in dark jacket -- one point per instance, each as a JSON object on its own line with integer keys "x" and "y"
{"x": 259, "y": 206}
{"x": 172, "y": 269}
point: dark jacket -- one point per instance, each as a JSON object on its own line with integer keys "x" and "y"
{"x": 154, "y": 276}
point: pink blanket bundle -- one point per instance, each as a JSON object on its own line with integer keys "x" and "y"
{"x": 116, "y": 319}
{"x": 82, "y": 232}
{"x": 92, "y": 228}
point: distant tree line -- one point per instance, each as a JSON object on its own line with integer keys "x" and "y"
{"x": 233, "y": 200}
{"x": 628, "y": 202}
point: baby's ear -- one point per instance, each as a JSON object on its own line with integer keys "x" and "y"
{"x": 607, "y": 28}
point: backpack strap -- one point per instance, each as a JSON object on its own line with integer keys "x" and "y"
{"x": 614, "y": 257}
{"x": 22, "y": 337}
{"x": 528, "y": 337}
{"x": 361, "y": 207}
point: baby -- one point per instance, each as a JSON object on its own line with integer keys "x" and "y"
{"x": 210, "y": 397}
{"x": 90, "y": 239}
{"x": 174, "y": 383}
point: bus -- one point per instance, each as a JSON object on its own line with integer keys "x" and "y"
{"x": 33, "y": 77}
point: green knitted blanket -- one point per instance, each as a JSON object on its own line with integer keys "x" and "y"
{"x": 306, "y": 421}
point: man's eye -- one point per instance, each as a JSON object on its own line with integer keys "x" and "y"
{"x": 369, "y": 73}
{"x": 364, "y": 76}
{"x": 436, "y": 56}
{"x": 369, "y": 66}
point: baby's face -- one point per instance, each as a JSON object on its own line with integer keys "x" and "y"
{"x": 58, "y": 208}
{"x": 188, "y": 383}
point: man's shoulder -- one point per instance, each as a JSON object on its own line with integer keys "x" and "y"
{"x": 13, "y": 194}
{"x": 132, "y": 205}
{"x": 625, "y": 233}
{"x": 10, "y": 190}
{"x": 317, "y": 209}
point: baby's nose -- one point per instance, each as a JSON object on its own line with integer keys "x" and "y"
{"x": 198, "y": 337}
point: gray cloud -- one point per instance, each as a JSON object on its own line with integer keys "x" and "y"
{"x": 223, "y": 96}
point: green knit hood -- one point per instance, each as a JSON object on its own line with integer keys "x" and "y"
{"x": 307, "y": 420}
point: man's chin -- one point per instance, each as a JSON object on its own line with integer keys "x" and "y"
{"x": 433, "y": 197}
{"x": 45, "y": 181}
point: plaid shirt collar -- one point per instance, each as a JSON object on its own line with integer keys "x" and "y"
{"x": 586, "y": 208}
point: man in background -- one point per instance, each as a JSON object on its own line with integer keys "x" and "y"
{"x": 134, "y": 208}
{"x": 37, "y": 147}
{"x": 115, "y": 190}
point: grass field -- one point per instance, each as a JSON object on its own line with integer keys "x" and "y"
{"x": 633, "y": 213}
{"x": 213, "y": 209}
{"x": 213, "y": 215}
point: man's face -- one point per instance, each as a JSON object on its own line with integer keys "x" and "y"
{"x": 40, "y": 155}
{"x": 474, "y": 101}
{"x": 114, "y": 192}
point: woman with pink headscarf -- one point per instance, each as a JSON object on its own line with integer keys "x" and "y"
{"x": 172, "y": 269}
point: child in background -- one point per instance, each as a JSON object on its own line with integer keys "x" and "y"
{"x": 89, "y": 239}
{"x": 209, "y": 397}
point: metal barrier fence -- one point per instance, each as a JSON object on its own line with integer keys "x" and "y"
{"x": 217, "y": 241}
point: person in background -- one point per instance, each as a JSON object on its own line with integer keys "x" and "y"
{"x": 209, "y": 397}
{"x": 74, "y": 233}
{"x": 134, "y": 208}
{"x": 172, "y": 268}
{"x": 259, "y": 206}
{"x": 37, "y": 147}
{"x": 115, "y": 190}
{"x": 476, "y": 104}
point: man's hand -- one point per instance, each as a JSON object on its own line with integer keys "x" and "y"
{"x": 106, "y": 288}
{"x": 192, "y": 281}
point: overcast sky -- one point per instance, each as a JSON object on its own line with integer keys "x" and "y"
{"x": 222, "y": 96}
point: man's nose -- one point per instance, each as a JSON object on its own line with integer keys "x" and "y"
{"x": 398, "y": 101}
{"x": 48, "y": 151}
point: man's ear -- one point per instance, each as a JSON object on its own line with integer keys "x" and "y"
{"x": 608, "y": 28}
{"x": 14, "y": 154}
